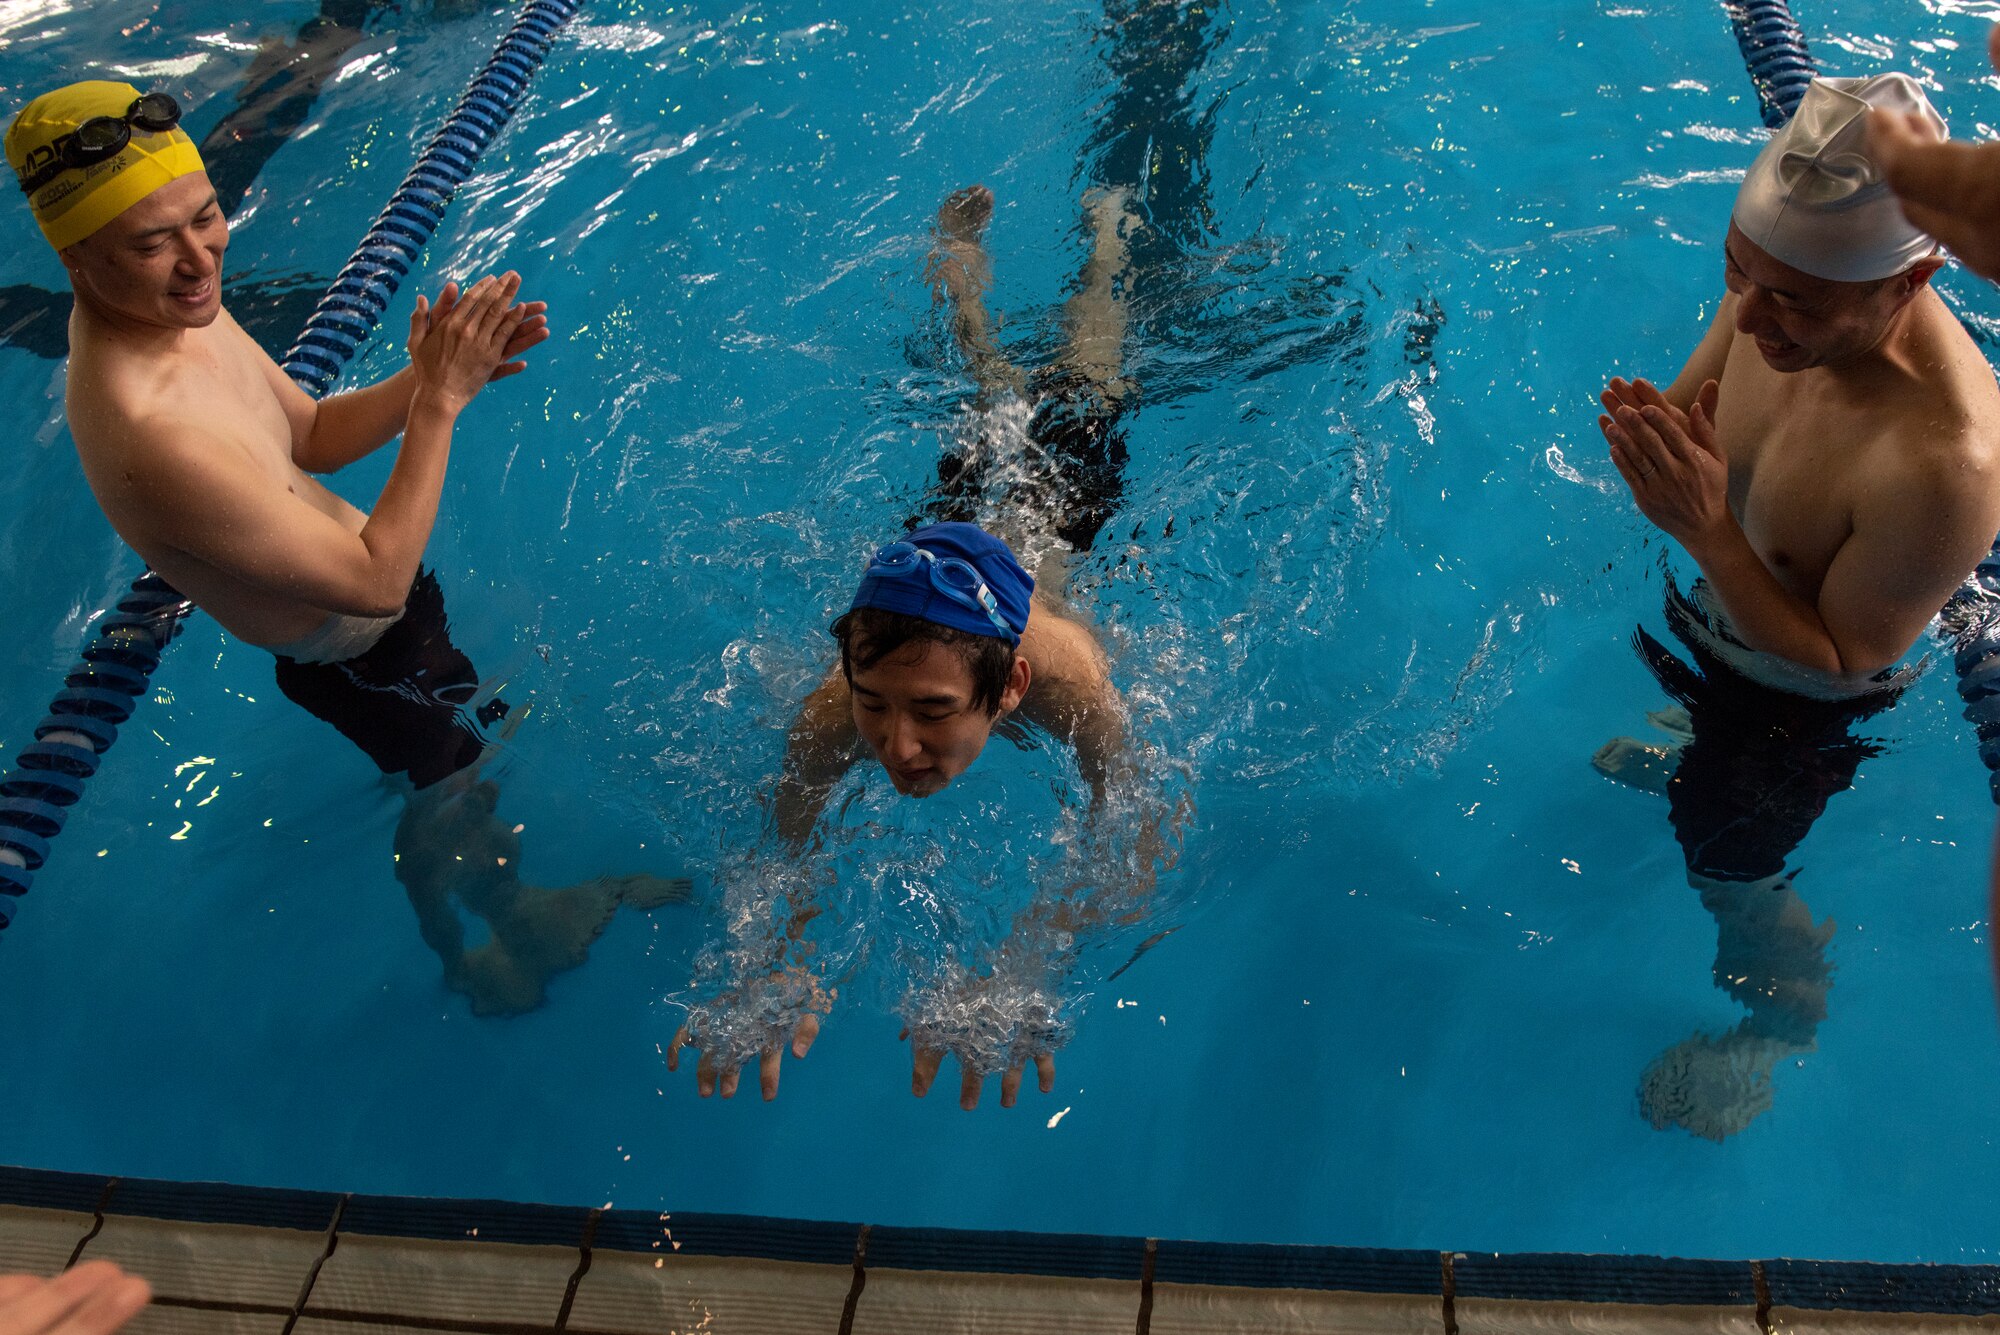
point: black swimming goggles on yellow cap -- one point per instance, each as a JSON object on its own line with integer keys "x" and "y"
{"x": 104, "y": 137}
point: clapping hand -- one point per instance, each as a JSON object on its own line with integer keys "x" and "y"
{"x": 1670, "y": 459}
{"x": 470, "y": 339}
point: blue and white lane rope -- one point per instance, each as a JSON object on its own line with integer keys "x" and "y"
{"x": 101, "y": 691}
{"x": 1774, "y": 51}
{"x": 360, "y": 295}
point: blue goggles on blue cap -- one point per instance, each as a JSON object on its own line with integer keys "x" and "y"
{"x": 955, "y": 579}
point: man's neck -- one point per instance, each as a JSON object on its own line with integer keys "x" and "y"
{"x": 99, "y": 323}
{"x": 1893, "y": 356}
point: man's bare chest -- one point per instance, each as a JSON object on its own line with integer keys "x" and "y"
{"x": 1791, "y": 484}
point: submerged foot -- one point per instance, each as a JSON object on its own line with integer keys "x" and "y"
{"x": 644, "y": 892}
{"x": 1636, "y": 764}
{"x": 964, "y": 214}
{"x": 1674, "y": 722}
{"x": 1112, "y": 223}
{"x": 1711, "y": 1087}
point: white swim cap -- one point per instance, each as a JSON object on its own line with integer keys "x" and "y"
{"x": 1815, "y": 199}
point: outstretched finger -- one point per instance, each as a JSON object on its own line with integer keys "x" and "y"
{"x": 731, "y": 1076}
{"x": 1621, "y": 455}
{"x": 1701, "y": 418}
{"x": 1045, "y": 1072}
{"x": 1010, "y": 1085}
{"x": 769, "y": 1068}
{"x": 674, "y": 1048}
{"x": 500, "y": 311}
{"x": 969, "y": 1081}
{"x": 1645, "y": 393}
{"x": 704, "y": 1075}
{"x": 924, "y": 1063}
{"x": 1618, "y": 391}
{"x": 803, "y": 1034}
{"x": 1641, "y": 433}
{"x": 447, "y": 298}
{"x": 1673, "y": 432}
{"x": 51, "y": 1306}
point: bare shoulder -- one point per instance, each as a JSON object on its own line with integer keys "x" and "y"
{"x": 1062, "y": 648}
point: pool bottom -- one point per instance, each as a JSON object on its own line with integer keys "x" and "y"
{"x": 275, "y": 1262}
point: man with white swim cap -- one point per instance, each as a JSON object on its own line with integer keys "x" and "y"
{"x": 200, "y": 451}
{"x": 1830, "y": 458}
{"x": 1828, "y": 455}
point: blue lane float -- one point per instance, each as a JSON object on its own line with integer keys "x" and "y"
{"x": 102, "y": 690}
{"x": 360, "y": 295}
{"x": 1774, "y": 52}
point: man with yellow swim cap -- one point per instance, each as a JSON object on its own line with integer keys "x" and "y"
{"x": 200, "y": 451}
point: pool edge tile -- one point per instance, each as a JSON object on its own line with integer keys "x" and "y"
{"x": 38, "y": 1240}
{"x": 631, "y": 1293}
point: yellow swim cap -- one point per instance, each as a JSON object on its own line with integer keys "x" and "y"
{"x": 82, "y": 199}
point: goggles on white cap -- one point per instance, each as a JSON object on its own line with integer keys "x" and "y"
{"x": 1815, "y": 199}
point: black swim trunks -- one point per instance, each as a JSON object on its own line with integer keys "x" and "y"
{"x": 1762, "y": 763}
{"x": 405, "y": 700}
{"x": 1076, "y": 424}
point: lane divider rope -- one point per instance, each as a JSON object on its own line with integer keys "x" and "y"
{"x": 101, "y": 691}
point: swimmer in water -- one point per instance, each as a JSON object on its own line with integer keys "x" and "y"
{"x": 1830, "y": 458}
{"x": 200, "y": 451}
{"x": 947, "y": 635}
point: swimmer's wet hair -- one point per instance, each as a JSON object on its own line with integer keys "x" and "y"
{"x": 868, "y": 635}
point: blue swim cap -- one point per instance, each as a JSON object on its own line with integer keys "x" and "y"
{"x": 924, "y": 589}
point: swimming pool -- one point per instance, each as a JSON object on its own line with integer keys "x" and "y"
{"x": 1373, "y": 589}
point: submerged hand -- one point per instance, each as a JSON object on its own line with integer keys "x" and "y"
{"x": 727, "y": 1045}
{"x": 95, "y": 1298}
{"x": 1671, "y": 460}
{"x": 995, "y": 1022}
{"x": 925, "y": 1061}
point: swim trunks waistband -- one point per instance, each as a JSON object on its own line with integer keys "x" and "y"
{"x": 337, "y": 639}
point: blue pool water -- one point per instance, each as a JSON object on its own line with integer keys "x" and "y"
{"x": 1372, "y": 592}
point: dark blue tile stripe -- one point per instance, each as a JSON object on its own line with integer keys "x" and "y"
{"x": 51, "y": 1191}
{"x": 1560, "y": 1277}
{"x": 217, "y": 1203}
{"x": 1255, "y": 1266}
{"x": 663, "y": 1233}
{"x": 456, "y": 1221}
{"x": 1067, "y": 1255}
{"x": 1856, "y": 1286}
{"x": 1815, "y": 1285}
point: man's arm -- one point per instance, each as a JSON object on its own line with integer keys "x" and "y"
{"x": 329, "y": 434}
{"x": 1912, "y": 544}
{"x": 219, "y": 510}
{"x": 820, "y": 750}
{"x": 1709, "y": 358}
